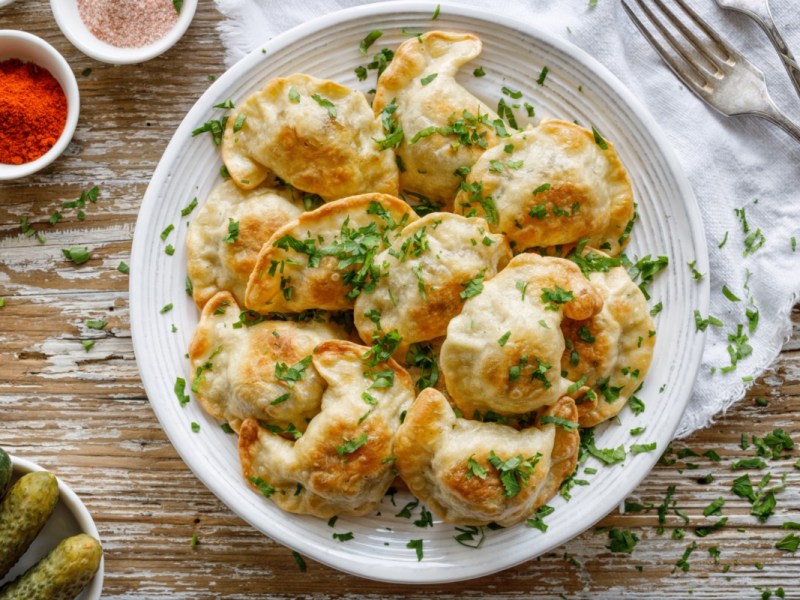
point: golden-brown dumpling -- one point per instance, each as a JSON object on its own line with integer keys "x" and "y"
{"x": 342, "y": 465}
{"x": 556, "y": 187}
{"x": 324, "y": 258}
{"x": 430, "y": 270}
{"x": 314, "y": 134}
{"x": 454, "y": 465}
{"x": 612, "y": 349}
{"x": 420, "y": 83}
{"x": 259, "y": 371}
{"x": 215, "y": 264}
{"x": 503, "y": 352}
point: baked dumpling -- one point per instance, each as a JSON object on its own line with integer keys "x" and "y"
{"x": 454, "y": 465}
{"x": 342, "y": 464}
{"x": 429, "y": 271}
{"x": 503, "y": 352}
{"x": 324, "y": 258}
{"x": 419, "y": 93}
{"x": 314, "y": 134}
{"x": 558, "y": 186}
{"x": 608, "y": 355}
{"x": 218, "y": 260}
{"x": 259, "y": 371}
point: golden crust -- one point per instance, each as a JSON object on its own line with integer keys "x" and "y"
{"x": 441, "y": 252}
{"x": 434, "y": 447}
{"x": 235, "y": 369}
{"x": 325, "y": 150}
{"x": 502, "y": 353}
{"x": 612, "y": 349}
{"x": 215, "y": 265}
{"x": 319, "y": 474}
{"x": 563, "y": 187}
{"x": 282, "y": 279}
{"x": 430, "y": 162}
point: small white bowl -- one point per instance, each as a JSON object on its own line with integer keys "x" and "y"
{"x": 69, "y": 518}
{"x": 72, "y": 26}
{"x": 29, "y": 48}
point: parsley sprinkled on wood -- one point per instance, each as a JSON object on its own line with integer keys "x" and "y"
{"x": 622, "y": 541}
{"x": 77, "y": 254}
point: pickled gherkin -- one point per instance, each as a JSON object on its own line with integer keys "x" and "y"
{"x": 23, "y": 513}
{"x": 5, "y": 472}
{"x": 61, "y": 575}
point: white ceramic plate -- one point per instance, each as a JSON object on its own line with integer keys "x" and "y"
{"x": 514, "y": 53}
{"x": 69, "y": 518}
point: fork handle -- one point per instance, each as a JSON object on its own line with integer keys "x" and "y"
{"x": 781, "y": 120}
{"x": 768, "y": 25}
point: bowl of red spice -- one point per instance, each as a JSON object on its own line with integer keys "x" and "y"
{"x": 123, "y": 31}
{"x": 39, "y": 104}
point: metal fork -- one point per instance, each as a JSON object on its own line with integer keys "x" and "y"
{"x": 714, "y": 70}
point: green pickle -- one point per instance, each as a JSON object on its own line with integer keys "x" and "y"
{"x": 61, "y": 575}
{"x": 5, "y": 472}
{"x": 23, "y": 513}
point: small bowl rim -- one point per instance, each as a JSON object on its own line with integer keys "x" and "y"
{"x": 86, "y": 42}
{"x": 69, "y": 85}
{"x": 78, "y": 509}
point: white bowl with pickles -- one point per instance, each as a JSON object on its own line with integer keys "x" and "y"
{"x": 65, "y": 540}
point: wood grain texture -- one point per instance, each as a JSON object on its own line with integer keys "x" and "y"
{"x": 84, "y": 414}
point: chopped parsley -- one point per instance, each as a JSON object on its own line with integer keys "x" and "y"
{"x": 565, "y": 424}
{"x": 423, "y": 357}
{"x": 537, "y": 521}
{"x": 427, "y": 79}
{"x": 417, "y": 546}
{"x": 326, "y": 104}
{"x": 474, "y": 286}
{"x": 542, "y": 75}
{"x": 351, "y": 445}
{"x": 370, "y": 39}
{"x": 479, "y": 72}
{"x": 504, "y": 338}
{"x": 239, "y": 122}
{"x": 343, "y": 537}
{"x": 552, "y": 298}
{"x": 77, "y": 254}
{"x": 180, "y": 391}
{"x": 621, "y": 540}
{"x": 599, "y": 139}
{"x": 291, "y": 375}
{"x": 514, "y": 472}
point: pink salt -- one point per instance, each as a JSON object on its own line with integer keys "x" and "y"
{"x": 128, "y": 23}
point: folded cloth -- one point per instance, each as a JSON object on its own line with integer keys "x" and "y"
{"x": 744, "y": 171}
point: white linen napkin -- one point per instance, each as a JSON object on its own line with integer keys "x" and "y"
{"x": 733, "y": 164}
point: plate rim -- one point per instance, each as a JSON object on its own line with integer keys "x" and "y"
{"x": 684, "y": 193}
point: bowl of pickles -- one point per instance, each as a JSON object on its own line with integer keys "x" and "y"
{"x": 49, "y": 544}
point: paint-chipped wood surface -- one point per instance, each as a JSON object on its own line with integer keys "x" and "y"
{"x": 85, "y": 415}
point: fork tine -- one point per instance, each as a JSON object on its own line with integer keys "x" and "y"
{"x": 697, "y": 79}
{"x": 712, "y": 60}
{"x": 722, "y": 45}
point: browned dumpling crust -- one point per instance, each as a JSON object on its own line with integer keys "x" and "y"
{"x": 324, "y": 258}
{"x": 261, "y": 371}
{"x": 609, "y": 354}
{"x": 343, "y": 463}
{"x": 558, "y": 186}
{"x": 314, "y": 134}
{"x": 217, "y": 259}
{"x": 430, "y": 270}
{"x": 503, "y": 352}
{"x": 419, "y": 92}
{"x": 454, "y": 465}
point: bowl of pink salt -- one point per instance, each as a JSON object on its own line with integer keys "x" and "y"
{"x": 123, "y": 31}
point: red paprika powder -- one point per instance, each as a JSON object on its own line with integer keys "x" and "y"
{"x": 33, "y": 111}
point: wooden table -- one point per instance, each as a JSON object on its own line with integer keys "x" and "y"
{"x": 85, "y": 415}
